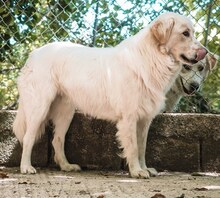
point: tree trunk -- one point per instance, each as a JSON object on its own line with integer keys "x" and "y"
{"x": 94, "y": 32}
{"x": 208, "y": 23}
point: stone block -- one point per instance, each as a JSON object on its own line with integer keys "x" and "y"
{"x": 91, "y": 143}
{"x": 175, "y": 142}
{"x": 210, "y": 155}
{"x": 172, "y": 154}
{"x": 10, "y": 149}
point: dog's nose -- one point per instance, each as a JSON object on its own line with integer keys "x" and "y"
{"x": 201, "y": 54}
{"x": 194, "y": 87}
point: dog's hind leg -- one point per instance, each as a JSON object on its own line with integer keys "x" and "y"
{"x": 36, "y": 111}
{"x": 142, "y": 133}
{"x": 127, "y": 137}
{"x": 61, "y": 115}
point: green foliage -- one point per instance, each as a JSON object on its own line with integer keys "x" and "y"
{"x": 26, "y": 25}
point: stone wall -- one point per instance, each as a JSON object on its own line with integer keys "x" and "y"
{"x": 176, "y": 142}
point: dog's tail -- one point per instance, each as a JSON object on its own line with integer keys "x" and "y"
{"x": 19, "y": 125}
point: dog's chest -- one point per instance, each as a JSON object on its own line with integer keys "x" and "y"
{"x": 150, "y": 103}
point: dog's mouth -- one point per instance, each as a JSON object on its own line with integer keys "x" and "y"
{"x": 189, "y": 61}
{"x": 188, "y": 92}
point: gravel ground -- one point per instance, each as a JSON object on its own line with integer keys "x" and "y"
{"x": 101, "y": 184}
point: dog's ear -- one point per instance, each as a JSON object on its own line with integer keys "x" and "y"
{"x": 162, "y": 29}
{"x": 211, "y": 60}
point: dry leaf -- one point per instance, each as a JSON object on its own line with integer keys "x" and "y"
{"x": 158, "y": 195}
{"x": 3, "y": 175}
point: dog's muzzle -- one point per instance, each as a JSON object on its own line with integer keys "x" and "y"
{"x": 190, "y": 61}
{"x": 201, "y": 53}
{"x": 193, "y": 87}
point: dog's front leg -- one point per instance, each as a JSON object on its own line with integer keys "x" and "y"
{"x": 142, "y": 133}
{"x": 127, "y": 137}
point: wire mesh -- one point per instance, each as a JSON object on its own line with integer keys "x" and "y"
{"x": 26, "y": 25}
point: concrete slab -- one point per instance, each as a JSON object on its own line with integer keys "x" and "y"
{"x": 184, "y": 142}
{"x": 173, "y": 154}
{"x": 91, "y": 143}
{"x": 210, "y": 155}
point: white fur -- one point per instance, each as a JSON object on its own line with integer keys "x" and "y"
{"x": 126, "y": 84}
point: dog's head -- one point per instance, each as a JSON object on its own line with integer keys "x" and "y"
{"x": 174, "y": 35}
{"x": 191, "y": 77}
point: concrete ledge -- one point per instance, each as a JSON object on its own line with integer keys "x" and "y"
{"x": 176, "y": 142}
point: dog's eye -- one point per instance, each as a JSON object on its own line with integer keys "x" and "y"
{"x": 200, "y": 68}
{"x": 186, "y": 33}
{"x": 187, "y": 67}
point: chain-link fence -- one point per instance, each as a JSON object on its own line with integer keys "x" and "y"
{"x": 26, "y": 25}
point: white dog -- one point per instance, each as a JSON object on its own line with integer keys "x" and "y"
{"x": 189, "y": 81}
{"x": 125, "y": 84}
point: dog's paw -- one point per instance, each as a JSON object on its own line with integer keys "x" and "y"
{"x": 152, "y": 171}
{"x": 141, "y": 174}
{"x": 28, "y": 170}
{"x": 70, "y": 167}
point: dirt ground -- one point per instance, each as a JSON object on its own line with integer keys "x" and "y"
{"x": 101, "y": 184}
